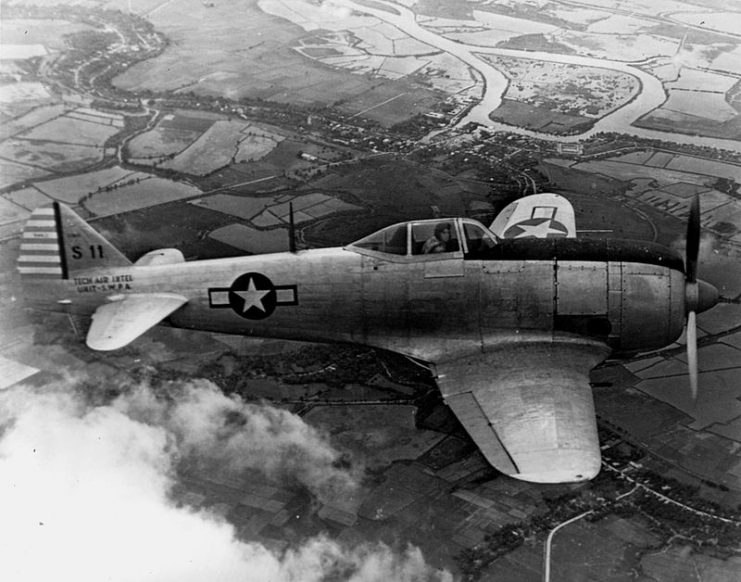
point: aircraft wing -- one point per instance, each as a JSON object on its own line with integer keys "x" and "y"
{"x": 539, "y": 215}
{"x": 118, "y": 323}
{"x": 529, "y": 407}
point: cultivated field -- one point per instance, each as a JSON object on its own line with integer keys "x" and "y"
{"x": 273, "y": 211}
{"x": 149, "y": 192}
{"x": 216, "y": 148}
{"x": 74, "y": 188}
{"x": 76, "y": 130}
{"x": 12, "y": 173}
{"x": 667, "y": 181}
{"x": 18, "y": 98}
{"x": 254, "y": 58}
{"x": 53, "y": 156}
{"x": 11, "y": 212}
{"x": 36, "y": 116}
{"x": 28, "y": 198}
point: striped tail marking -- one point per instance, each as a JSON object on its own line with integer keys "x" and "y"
{"x": 41, "y": 255}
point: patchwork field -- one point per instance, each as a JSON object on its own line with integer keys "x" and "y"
{"x": 11, "y": 212}
{"x": 151, "y": 191}
{"x": 254, "y": 58}
{"x": 78, "y": 127}
{"x": 274, "y": 211}
{"x": 28, "y": 198}
{"x": 75, "y": 188}
{"x": 667, "y": 181}
{"x": 33, "y": 115}
{"x": 12, "y": 173}
{"x": 216, "y": 148}
{"x": 252, "y": 240}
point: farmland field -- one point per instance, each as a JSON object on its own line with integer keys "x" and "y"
{"x": 11, "y": 212}
{"x": 244, "y": 207}
{"x": 29, "y": 198}
{"x": 214, "y": 149}
{"x": 253, "y": 58}
{"x": 149, "y": 192}
{"x": 73, "y": 188}
{"x": 11, "y": 173}
{"x": 51, "y": 155}
{"x": 36, "y": 116}
{"x": 73, "y": 131}
{"x": 273, "y": 211}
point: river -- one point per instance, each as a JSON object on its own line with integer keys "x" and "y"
{"x": 651, "y": 92}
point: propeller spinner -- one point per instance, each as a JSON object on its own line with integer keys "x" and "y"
{"x": 699, "y": 295}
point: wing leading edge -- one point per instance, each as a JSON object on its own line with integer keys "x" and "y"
{"x": 529, "y": 408}
{"x": 118, "y": 323}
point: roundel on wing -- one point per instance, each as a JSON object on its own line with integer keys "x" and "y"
{"x": 537, "y": 227}
{"x": 253, "y": 296}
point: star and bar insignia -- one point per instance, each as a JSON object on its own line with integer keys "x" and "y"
{"x": 253, "y": 296}
{"x": 537, "y": 227}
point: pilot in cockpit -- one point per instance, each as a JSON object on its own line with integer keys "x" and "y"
{"x": 438, "y": 242}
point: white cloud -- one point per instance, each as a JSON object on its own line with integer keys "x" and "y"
{"x": 84, "y": 492}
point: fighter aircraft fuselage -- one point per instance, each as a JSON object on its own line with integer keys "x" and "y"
{"x": 627, "y": 294}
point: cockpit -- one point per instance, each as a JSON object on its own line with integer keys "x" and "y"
{"x": 428, "y": 239}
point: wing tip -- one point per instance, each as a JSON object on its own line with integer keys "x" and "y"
{"x": 562, "y": 467}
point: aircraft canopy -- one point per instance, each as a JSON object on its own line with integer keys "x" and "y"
{"x": 439, "y": 237}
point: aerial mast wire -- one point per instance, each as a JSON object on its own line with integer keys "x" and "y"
{"x": 291, "y": 229}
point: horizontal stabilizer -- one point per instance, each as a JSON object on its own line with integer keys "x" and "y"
{"x": 160, "y": 257}
{"x": 120, "y": 322}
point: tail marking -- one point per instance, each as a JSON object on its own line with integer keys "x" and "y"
{"x": 41, "y": 255}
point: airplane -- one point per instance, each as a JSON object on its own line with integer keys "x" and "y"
{"x": 509, "y": 320}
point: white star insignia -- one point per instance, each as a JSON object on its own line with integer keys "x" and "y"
{"x": 541, "y": 230}
{"x": 253, "y": 297}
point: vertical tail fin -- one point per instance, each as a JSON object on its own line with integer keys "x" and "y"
{"x": 57, "y": 242}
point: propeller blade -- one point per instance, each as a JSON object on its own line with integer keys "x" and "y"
{"x": 692, "y": 353}
{"x": 693, "y": 240}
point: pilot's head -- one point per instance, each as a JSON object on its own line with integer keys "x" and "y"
{"x": 442, "y": 231}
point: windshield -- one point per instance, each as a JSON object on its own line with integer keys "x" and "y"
{"x": 392, "y": 240}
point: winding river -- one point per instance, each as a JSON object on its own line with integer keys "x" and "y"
{"x": 651, "y": 94}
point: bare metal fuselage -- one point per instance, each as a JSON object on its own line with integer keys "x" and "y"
{"x": 631, "y": 297}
